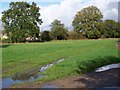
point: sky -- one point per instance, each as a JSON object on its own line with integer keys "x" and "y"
{"x": 65, "y": 10}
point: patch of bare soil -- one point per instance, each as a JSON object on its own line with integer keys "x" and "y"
{"x": 109, "y": 78}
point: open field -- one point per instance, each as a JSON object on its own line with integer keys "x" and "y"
{"x": 80, "y": 56}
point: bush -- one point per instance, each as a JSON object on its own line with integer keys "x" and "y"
{"x": 90, "y": 65}
{"x": 5, "y": 41}
{"x": 45, "y": 36}
{"x": 74, "y": 35}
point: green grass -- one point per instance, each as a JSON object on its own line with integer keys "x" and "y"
{"x": 80, "y": 56}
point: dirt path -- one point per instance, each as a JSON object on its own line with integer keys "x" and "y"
{"x": 109, "y": 78}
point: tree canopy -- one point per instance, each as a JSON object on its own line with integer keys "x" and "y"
{"x": 45, "y": 36}
{"x": 111, "y": 29}
{"x": 87, "y": 22}
{"x": 58, "y": 30}
{"x": 21, "y": 20}
{"x": 21, "y": 23}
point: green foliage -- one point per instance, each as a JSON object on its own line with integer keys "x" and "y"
{"x": 20, "y": 21}
{"x": 74, "y": 35}
{"x": 4, "y": 41}
{"x": 111, "y": 29}
{"x": 58, "y": 30}
{"x": 85, "y": 56}
{"x": 87, "y": 22}
{"x": 20, "y": 58}
{"x": 91, "y": 65}
{"x": 45, "y": 36}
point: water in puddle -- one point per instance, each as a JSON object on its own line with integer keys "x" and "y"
{"x": 26, "y": 77}
{"x": 42, "y": 69}
{"x": 49, "y": 86}
{"x": 10, "y": 81}
{"x": 107, "y": 67}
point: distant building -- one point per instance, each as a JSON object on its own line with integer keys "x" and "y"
{"x": 31, "y": 39}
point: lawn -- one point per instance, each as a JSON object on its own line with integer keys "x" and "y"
{"x": 80, "y": 56}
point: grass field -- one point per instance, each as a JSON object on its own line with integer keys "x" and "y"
{"x": 80, "y": 56}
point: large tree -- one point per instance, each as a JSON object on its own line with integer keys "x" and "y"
{"x": 87, "y": 22}
{"x": 45, "y": 36}
{"x": 111, "y": 29}
{"x": 74, "y": 35}
{"x": 58, "y": 30}
{"x": 21, "y": 20}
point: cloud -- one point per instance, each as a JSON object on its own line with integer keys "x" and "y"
{"x": 1, "y": 25}
{"x": 63, "y": 12}
{"x": 31, "y": 0}
{"x": 108, "y": 8}
{"x": 111, "y": 14}
{"x": 67, "y": 9}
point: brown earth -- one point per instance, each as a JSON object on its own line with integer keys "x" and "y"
{"x": 109, "y": 78}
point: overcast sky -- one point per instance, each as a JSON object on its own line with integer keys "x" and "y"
{"x": 65, "y": 10}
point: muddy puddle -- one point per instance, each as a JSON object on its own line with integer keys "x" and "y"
{"x": 34, "y": 74}
{"x": 71, "y": 80}
{"x": 28, "y": 76}
{"x": 50, "y": 86}
{"x": 42, "y": 69}
{"x": 10, "y": 81}
{"x": 107, "y": 67}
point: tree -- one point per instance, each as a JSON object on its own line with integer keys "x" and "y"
{"x": 45, "y": 36}
{"x": 111, "y": 29}
{"x": 74, "y": 35}
{"x": 21, "y": 21}
{"x": 58, "y": 30}
{"x": 87, "y": 22}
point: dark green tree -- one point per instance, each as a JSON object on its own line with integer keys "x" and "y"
{"x": 21, "y": 20}
{"x": 58, "y": 30}
{"x": 87, "y": 22}
{"x": 74, "y": 35}
{"x": 45, "y": 36}
{"x": 111, "y": 29}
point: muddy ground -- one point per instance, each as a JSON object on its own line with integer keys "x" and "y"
{"x": 109, "y": 78}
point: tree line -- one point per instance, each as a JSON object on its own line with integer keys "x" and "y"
{"x": 22, "y": 20}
